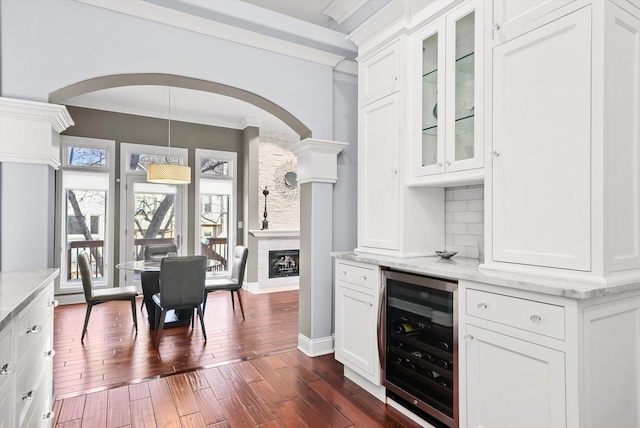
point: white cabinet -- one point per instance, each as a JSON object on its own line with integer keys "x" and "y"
{"x": 523, "y": 380}
{"x": 532, "y": 360}
{"x": 357, "y": 288}
{"x": 564, "y": 176}
{"x": 514, "y": 17}
{"x": 26, "y": 364}
{"x": 448, "y": 61}
{"x": 393, "y": 220}
{"x": 541, "y": 145}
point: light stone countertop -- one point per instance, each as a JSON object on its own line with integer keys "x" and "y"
{"x": 461, "y": 268}
{"x": 18, "y": 288}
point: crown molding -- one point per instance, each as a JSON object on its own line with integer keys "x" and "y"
{"x": 178, "y": 19}
{"x": 341, "y": 10}
{"x": 346, "y": 66}
{"x": 317, "y": 160}
{"x": 389, "y": 15}
{"x": 57, "y": 115}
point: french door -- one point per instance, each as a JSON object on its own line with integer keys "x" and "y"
{"x": 153, "y": 215}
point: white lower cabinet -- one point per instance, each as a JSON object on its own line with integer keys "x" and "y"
{"x": 534, "y": 360}
{"x": 357, "y": 288}
{"x": 522, "y": 379}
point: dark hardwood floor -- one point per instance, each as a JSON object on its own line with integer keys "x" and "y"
{"x": 249, "y": 372}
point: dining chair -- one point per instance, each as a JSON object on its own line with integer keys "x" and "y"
{"x": 103, "y": 295}
{"x": 181, "y": 287}
{"x": 234, "y": 283}
{"x": 150, "y": 279}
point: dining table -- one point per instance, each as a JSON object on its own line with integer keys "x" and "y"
{"x": 150, "y": 281}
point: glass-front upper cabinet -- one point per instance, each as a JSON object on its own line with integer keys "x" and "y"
{"x": 449, "y": 149}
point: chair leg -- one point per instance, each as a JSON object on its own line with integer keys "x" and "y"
{"x": 239, "y": 301}
{"x": 160, "y": 325}
{"x": 193, "y": 315}
{"x": 201, "y": 315}
{"x": 134, "y": 313}
{"x": 233, "y": 304}
{"x": 204, "y": 302}
{"x": 86, "y": 320}
{"x": 142, "y": 305}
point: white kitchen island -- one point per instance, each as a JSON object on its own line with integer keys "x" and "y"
{"x": 26, "y": 347}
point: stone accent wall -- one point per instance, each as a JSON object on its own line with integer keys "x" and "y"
{"x": 283, "y": 205}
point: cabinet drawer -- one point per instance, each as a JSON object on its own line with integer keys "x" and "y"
{"x": 529, "y": 315}
{"x": 6, "y": 404}
{"x": 7, "y": 361}
{"x": 33, "y": 321}
{"x": 33, "y": 379}
{"x": 356, "y": 275}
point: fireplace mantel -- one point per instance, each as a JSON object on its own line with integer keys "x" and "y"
{"x": 275, "y": 234}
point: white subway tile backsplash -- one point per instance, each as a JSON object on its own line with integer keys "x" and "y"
{"x": 451, "y": 206}
{"x": 468, "y": 217}
{"x": 464, "y": 219}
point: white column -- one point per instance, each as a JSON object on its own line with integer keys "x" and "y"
{"x": 29, "y": 153}
{"x": 317, "y": 172}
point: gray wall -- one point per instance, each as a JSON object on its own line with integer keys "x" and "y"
{"x": 124, "y": 128}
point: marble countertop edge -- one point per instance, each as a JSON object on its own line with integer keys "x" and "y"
{"x": 17, "y": 289}
{"x": 470, "y": 270}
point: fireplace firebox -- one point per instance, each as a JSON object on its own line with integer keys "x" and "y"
{"x": 283, "y": 263}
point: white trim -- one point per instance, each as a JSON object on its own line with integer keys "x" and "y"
{"x": 164, "y": 15}
{"x": 378, "y": 391}
{"x": 341, "y": 10}
{"x": 271, "y": 234}
{"x": 315, "y": 347}
{"x": 57, "y": 115}
{"x": 317, "y": 160}
{"x": 254, "y": 288}
{"x": 346, "y": 66}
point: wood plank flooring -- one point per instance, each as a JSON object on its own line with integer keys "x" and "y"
{"x": 247, "y": 374}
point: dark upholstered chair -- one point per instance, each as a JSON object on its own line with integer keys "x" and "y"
{"x": 234, "y": 283}
{"x": 181, "y": 287}
{"x": 149, "y": 280}
{"x": 95, "y": 297}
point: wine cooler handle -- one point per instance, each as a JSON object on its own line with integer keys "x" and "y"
{"x": 381, "y": 304}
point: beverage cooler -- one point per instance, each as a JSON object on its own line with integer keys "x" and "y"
{"x": 417, "y": 341}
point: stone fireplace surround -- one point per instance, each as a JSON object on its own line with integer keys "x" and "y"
{"x": 273, "y": 240}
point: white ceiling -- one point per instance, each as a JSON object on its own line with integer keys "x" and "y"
{"x": 203, "y": 107}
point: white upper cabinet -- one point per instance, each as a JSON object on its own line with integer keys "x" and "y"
{"x": 514, "y": 17}
{"x": 379, "y": 75}
{"x": 448, "y": 70}
{"x": 542, "y": 145}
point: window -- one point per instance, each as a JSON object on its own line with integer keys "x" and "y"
{"x": 86, "y": 205}
{"x": 216, "y": 210}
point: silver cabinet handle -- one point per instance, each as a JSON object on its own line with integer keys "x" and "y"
{"x": 468, "y": 337}
{"x": 482, "y": 306}
{"x": 48, "y": 415}
{"x": 51, "y": 353}
{"x": 394, "y": 78}
{"x": 439, "y": 164}
{"x": 29, "y": 395}
{"x": 363, "y": 278}
{"x": 535, "y": 318}
{"x": 370, "y": 304}
{"x": 343, "y": 273}
{"x": 495, "y": 154}
{"x": 394, "y": 171}
{"x": 34, "y": 330}
{"x": 497, "y": 27}
{"x": 7, "y": 369}
{"x": 53, "y": 304}
{"x": 447, "y": 163}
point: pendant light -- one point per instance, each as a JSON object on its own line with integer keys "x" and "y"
{"x": 168, "y": 173}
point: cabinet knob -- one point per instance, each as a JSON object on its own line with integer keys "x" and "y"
{"x": 343, "y": 273}
{"x": 482, "y": 305}
{"x": 51, "y": 353}
{"x": 535, "y": 318}
{"x": 29, "y": 395}
{"x": 394, "y": 171}
{"x": 7, "y": 369}
{"x": 394, "y": 78}
{"x": 53, "y": 304}
{"x": 447, "y": 163}
{"x": 48, "y": 416}
{"x": 439, "y": 164}
{"x": 497, "y": 27}
{"x": 34, "y": 330}
{"x": 363, "y": 278}
{"x": 495, "y": 154}
{"x": 468, "y": 337}
{"x": 370, "y": 304}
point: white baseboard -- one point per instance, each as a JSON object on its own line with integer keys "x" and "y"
{"x": 315, "y": 347}
{"x": 254, "y": 288}
{"x": 378, "y": 391}
{"x": 70, "y": 299}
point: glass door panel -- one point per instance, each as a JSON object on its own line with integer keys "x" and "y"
{"x": 464, "y": 87}
{"x": 430, "y": 100}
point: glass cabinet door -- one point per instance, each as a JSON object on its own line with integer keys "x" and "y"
{"x": 433, "y": 100}
{"x": 464, "y": 88}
